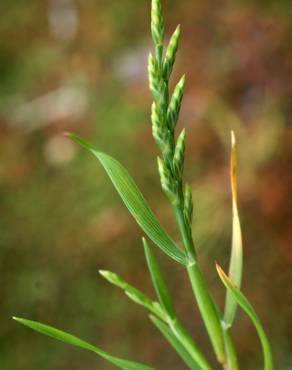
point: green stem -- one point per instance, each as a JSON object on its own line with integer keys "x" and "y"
{"x": 187, "y": 341}
{"x": 185, "y": 234}
{"x": 232, "y": 363}
{"x": 204, "y": 300}
{"x": 207, "y": 310}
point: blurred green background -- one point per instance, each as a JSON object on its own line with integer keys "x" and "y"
{"x": 68, "y": 65}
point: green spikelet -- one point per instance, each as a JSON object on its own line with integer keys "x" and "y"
{"x": 161, "y": 134}
{"x": 175, "y": 104}
{"x": 158, "y": 131}
{"x": 168, "y": 183}
{"x": 188, "y": 205}
{"x": 179, "y": 153}
{"x": 163, "y": 101}
{"x": 154, "y": 77}
{"x": 157, "y": 85}
{"x": 171, "y": 53}
{"x": 157, "y": 28}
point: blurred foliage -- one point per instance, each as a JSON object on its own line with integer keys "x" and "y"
{"x": 81, "y": 66}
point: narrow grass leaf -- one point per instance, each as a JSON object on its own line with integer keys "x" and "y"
{"x": 189, "y": 344}
{"x": 235, "y": 266}
{"x": 158, "y": 281}
{"x": 175, "y": 343}
{"x": 247, "y": 307}
{"x": 134, "y": 294}
{"x": 71, "y": 339}
{"x": 135, "y": 202}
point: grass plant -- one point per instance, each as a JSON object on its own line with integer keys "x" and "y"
{"x": 162, "y": 312}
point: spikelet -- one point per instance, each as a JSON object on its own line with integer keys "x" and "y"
{"x": 157, "y": 28}
{"x": 179, "y": 153}
{"x": 188, "y": 205}
{"x": 171, "y": 53}
{"x": 175, "y": 104}
{"x": 154, "y": 77}
{"x": 158, "y": 131}
{"x": 168, "y": 183}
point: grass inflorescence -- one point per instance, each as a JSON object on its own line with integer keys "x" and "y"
{"x": 162, "y": 312}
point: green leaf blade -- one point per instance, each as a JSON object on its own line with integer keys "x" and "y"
{"x": 134, "y": 294}
{"x": 249, "y": 310}
{"x": 158, "y": 281}
{"x": 189, "y": 344}
{"x": 175, "y": 343}
{"x": 135, "y": 202}
{"x": 235, "y": 266}
{"x": 72, "y": 340}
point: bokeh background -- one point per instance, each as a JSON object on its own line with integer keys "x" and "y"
{"x": 72, "y": 65}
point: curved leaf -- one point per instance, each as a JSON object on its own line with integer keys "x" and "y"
{"x": 134, "y": 294}
{"x": 135, "y": 202}
{"x": 247, "y": 307}
{"x": 235, "y": 266}
{"x": 71, "y": 339}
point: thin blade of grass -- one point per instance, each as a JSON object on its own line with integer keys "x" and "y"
{"x": 134, "y": 294}
{"x": 71, "y": 339}
{"x": 174, "y": 326}
{"x": 247, "y": 307}
{"x": 134, "y": 201}
{"x": 235, "y": 265}
{"x": 189, "y": 344}
{"x": 158, "y": 281}
{"x": 175, "y": 343}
